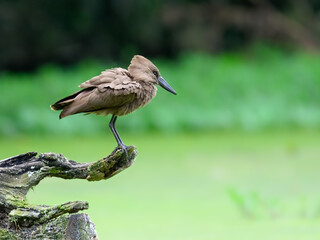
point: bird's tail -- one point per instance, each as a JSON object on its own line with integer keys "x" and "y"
{"x": 64, "y": 103}
{"x": 60, "y": 105}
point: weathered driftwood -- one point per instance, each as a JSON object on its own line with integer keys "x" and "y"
{"x": 22, "y": 220}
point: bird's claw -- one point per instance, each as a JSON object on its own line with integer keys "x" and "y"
{"x": 123, "y": 148}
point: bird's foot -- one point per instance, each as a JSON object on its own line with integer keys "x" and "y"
{"x": 123, "y": 148}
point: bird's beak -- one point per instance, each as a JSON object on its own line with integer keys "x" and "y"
{"x": 165, "y": 85}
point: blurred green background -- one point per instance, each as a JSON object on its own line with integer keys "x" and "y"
{"x": 235, "y": 155}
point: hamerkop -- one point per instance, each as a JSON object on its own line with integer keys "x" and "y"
{"x": 115, "y": 91}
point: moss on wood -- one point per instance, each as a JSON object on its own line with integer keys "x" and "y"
{"x": 22, "y": 220}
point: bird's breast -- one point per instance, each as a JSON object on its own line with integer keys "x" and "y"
{"x": 143, "y": 97}
{"x": 147, "y": 94}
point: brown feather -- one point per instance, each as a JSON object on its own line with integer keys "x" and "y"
{"x": 115, "y": 91}
{"x": 64, "y": 101}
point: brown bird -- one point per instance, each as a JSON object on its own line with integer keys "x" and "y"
{"x": 115, "y": 91}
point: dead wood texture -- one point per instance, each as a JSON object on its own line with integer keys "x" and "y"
{"x": 22, "y": 220}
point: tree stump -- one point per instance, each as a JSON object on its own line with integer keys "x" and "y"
{"x": 22, "y": 220}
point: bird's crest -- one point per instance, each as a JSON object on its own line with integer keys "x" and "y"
{"x": 143, "y": 69}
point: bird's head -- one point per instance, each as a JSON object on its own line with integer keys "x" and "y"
{"x": 142, "y": 69}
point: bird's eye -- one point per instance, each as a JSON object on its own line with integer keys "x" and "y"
{"x": 155, "y": 73}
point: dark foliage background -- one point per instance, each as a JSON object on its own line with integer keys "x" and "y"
{"x": 35, "y": 32}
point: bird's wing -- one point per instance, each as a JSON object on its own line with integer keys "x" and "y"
{"x": 114, "y": 75}
{"x": 117, "y": 79}
{"x": 94, "y": 100}
{"x": 112, "y": 89}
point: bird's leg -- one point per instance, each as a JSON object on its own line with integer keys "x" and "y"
{"x": 116, "y": 134}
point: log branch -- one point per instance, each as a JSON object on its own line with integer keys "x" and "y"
{"x": 18, "y": 174}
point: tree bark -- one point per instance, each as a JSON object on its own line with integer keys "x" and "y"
{"x": 22, "y": 220}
